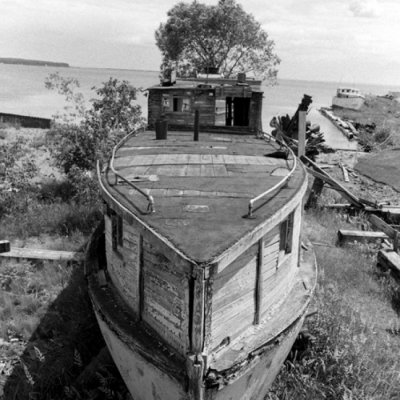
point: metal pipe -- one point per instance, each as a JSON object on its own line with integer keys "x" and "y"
{"x": 278, "y": 185}
{"x": 150, "y": 207}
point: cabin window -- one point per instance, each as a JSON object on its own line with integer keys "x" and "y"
{"x": 181, "y": 104}
{"x": 286, "y": 237}
{"x": 117, "y": 231}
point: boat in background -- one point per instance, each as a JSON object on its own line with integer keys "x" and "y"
{"x": 348, "y": 98}
{"x": 198, "y": 276}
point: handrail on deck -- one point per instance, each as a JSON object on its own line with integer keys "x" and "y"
{"x": 151, "y": 207}
{"x": 110, "y": 166}
{"x": 280, "y": 183}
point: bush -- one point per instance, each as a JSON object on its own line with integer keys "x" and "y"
{"x": 376, "y": 139}
{"x": 112, "y": 116}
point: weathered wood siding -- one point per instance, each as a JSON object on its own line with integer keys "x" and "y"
{"x": 233, "y": 301}
{"x": 166, "y": 297}
{"x": 202, "y": 100}
{"x": 235, "y": 288}
{"x": 154, "y": 107}
{"x": 255, "y": 116}
{"x": 155, "y": 287}
{"x": 124, "y": 264}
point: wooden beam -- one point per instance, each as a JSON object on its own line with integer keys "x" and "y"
{"x": 320, "y": 173}
{"x": 381, "y": 225}
{"x": 345, "y": 173}
{"x": 4, "y": 246}
{"x": 389, "y": 259}
{"x": 392, "y": 233}
{"x": 345, "y": 235}
{"x": 337, "y": 186}
{"x": 301, "y": 149}
{"x": 315, "y": 192}
{"x": 42, "y": 254}
{"x": 259, "y": 281}
{"x": 197, "y": 329}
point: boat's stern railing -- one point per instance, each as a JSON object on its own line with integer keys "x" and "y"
{"x": 283, "y": 181}
{"x": 117, "y": 175}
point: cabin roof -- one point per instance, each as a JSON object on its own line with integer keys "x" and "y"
{"x": 202, "y": 84}
{"x": 201, "y": 189}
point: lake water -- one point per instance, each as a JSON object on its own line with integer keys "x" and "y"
{"x": 22, "y": 90}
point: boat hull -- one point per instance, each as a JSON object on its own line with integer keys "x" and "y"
{"x": 146, "y": 382}
{"x": 352, "y": 103}
{"x": 147, "y": 379}
{"x": 142, "y": 378}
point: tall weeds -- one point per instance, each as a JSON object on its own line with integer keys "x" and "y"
{"x": 355, "y": 347}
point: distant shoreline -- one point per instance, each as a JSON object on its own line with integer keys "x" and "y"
{"x": 23, "y": 61}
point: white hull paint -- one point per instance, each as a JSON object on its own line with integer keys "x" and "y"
{"x": 353, "y": 103}
{"x": 143, "y": 379}
{"x": 146, "y": 382}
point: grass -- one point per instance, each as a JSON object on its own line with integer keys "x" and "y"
{"x": 355, "y": 347}
{"x": 47, "y": 311}
{"x": 64, "y": 219}
{"x": 382, "y": 167}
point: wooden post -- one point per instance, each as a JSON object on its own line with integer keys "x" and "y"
{"x": 396, "y": 241}
{"x": 4, "y": 246}
{"x": 301, "y": 149}
{"x": 259, "y": 281}
{"x": 196, "y": 125}
{"x": 315, "y": 192}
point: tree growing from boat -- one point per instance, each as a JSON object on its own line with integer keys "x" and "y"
{"x": 223, "y": 38}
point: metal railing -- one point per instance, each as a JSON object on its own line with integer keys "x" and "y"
{"x": 110, "y": 166}
{"x": 280, "y": 183}
{"x": 150, "y": 199}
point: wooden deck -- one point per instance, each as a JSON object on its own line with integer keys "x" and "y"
{"x": 201, "y": 189}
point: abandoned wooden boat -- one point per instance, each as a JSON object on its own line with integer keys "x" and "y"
{"x": 348, "y": 98}
{"x": 198, "y": 278}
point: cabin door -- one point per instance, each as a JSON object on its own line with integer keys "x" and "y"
{"x": 237, "y": 111}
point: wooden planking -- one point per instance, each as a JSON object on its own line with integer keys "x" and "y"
{"x": 207, "y": 170}
{"x": 389, "y": 259}
{"x": 154, "y": 222}
{"x": 178, "y": 159}
{"x": 123, "y": 264}
{"x": 41, "y": 254}
{"x": 345, "y": 235}
{"x": 193, "y": 193}
{"x": 193, "y": 170}
{"x": 165, "y": 297}
{"x": 220, "y": 170}
{"x": 234, "y": 297}
{"x": 225, "y": 259}
{"x": 383, "y": 226}
{"x": 277, "y": 288}
{"x": 197, "y": 328}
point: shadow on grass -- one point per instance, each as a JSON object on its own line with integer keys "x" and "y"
{"x": 65, "y": 358}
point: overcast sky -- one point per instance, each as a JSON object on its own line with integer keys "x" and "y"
{"x": 335, "y": 40}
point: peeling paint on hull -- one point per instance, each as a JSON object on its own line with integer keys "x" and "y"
{"x": 146, "y": 382}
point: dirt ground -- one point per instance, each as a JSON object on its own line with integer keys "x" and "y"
{"x": 378, "y": 189}
{"x": 382, "y": 167}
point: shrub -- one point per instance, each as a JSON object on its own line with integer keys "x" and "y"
{"x": 112, "y": 115}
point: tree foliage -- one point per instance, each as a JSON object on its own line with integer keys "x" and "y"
{"x": 286, "y": 128}
{"x": 86, "y": 135}
{"x": 196, "y": 37}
